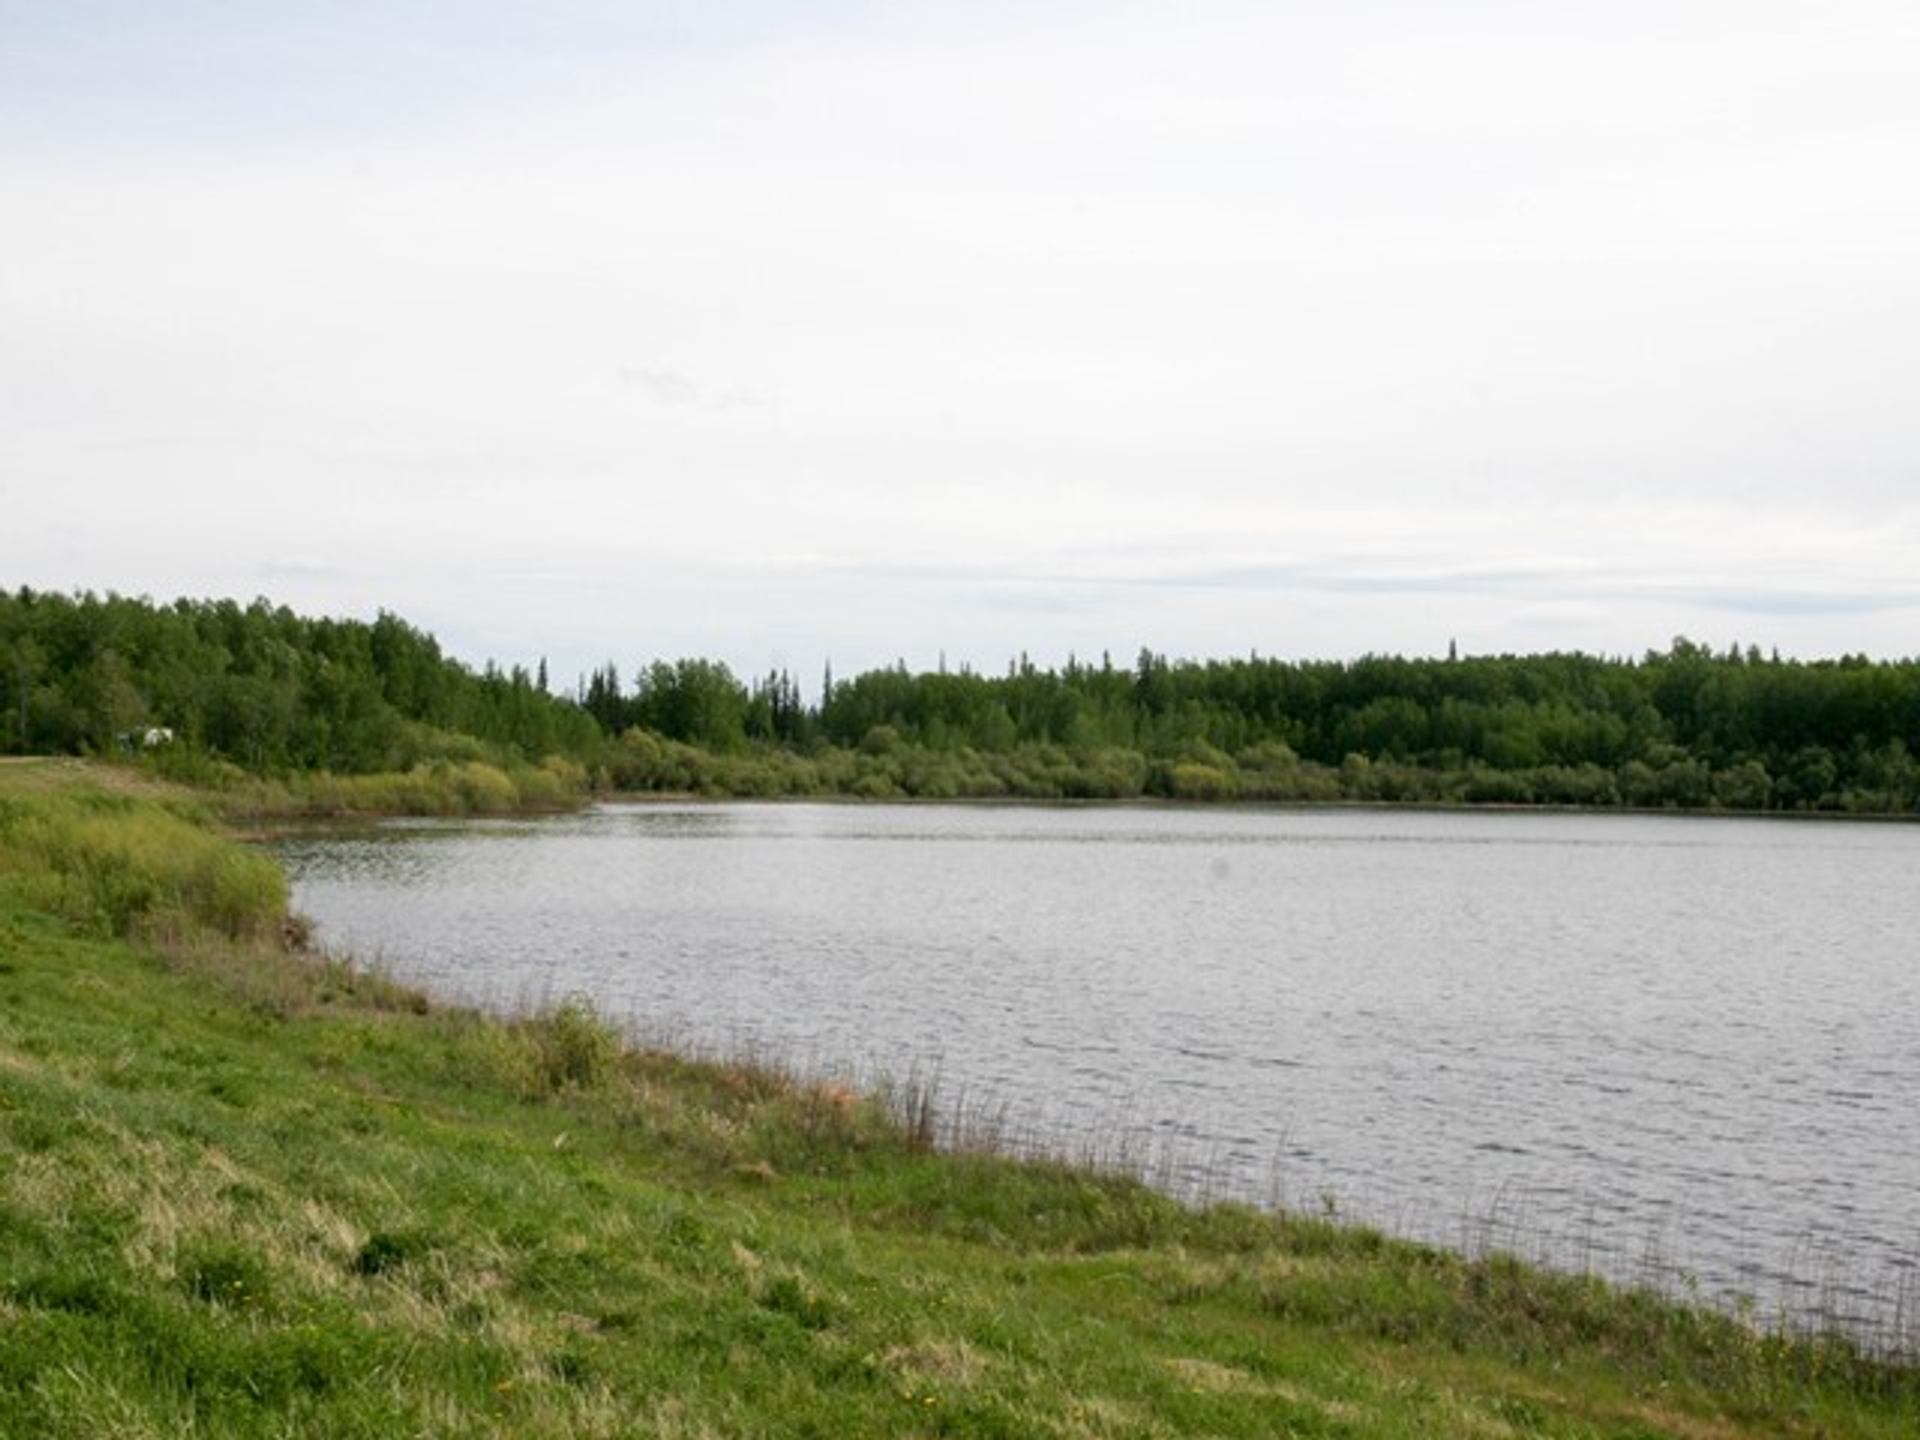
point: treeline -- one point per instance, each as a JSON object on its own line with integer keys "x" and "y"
{"x": 1685, "y": 728}
{"x": 261, "y": 688}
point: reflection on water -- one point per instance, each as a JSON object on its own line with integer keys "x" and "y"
{"x": 1628, "y": 1039}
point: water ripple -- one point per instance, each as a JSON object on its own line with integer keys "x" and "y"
{"x": 1639, "y": 1041}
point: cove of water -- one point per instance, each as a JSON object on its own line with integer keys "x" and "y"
{"x": 1660, "y": 1047}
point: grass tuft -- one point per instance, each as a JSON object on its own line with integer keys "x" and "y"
{"x": 385, "y": 1250}
{"x": 222, "y": 1272}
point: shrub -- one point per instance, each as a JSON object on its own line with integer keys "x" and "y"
{"x": 238, "y": 892}
{"x": 572, "y": 1047}
{"x": 483, "y": 789}
{"x": 1190, "y": 780}
{"x": 115, "y": 866}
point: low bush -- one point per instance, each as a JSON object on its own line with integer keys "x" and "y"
{"x": 116, "y": 866}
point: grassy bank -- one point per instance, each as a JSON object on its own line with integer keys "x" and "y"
{"x": 445, "y": 787}
{"x": 245, "y": 1190}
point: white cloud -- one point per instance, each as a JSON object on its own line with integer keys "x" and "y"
{"x": 1597, "y": 321}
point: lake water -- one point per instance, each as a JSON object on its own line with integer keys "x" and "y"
{"x": 1660, "y": 1047}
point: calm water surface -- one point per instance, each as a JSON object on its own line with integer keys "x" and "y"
{"x": 1678, "y": 1044}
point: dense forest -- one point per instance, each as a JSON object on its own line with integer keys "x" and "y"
{"x": 260, "y": 686}
{"x": 270, "y": 692}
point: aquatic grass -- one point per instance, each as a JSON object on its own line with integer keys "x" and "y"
{"x": 923, "y": 1115}
{"x": 568, "y": 1047}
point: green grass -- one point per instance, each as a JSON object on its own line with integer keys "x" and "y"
{"x": 442, "y": 787}
{"x": 118, "y": 863}
{"x": 448, "y": 786}
{"x": 246, "y": 1191}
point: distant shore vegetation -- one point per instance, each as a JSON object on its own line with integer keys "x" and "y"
{"x": 291, "y": 714}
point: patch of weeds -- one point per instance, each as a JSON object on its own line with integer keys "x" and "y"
{"x": 1229, "y": 1228}
{"x": 386, "y": 1250}
{"x": 81, "y": 1293}
{"x": 688, "y": 1231}
{"x": 221, "y": 1273}
{"x": 305, "y": 1359}
{"x": 100, "y": 1221}
{"x": 244, "y": 1195}
{"x": 574, "y": 1047}
{"x": 33, "y": 1134}
{"x": 229, "y": 1090}
{"x": 1524, "y": 1415}
{"x": 571, "y": 1366}
{"x": 567, "y": 1049}
{"x": 791, "y": 1296}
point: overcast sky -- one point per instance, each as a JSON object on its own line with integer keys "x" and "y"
{"x": 783, "y": 332}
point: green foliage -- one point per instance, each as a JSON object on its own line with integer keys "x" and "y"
{"x": 1684, "y": 729}
{"x": 1192, "y": 780}
{"x": 222, "y": 1273}
{"x": 118, "y": 866}
{"x": 345, "y": 716}
{"x": 572, "y": 1047}
{"x": 260, "y": 688}
{"x": 471, "y": 787}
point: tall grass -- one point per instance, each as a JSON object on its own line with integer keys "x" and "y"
{"x": 442, "y": 787}
{"x": 115, "y": 865}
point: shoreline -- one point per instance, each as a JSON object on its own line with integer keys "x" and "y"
{"x": 1794, "y": 1257}
{"x": 243, "y": 807}
{"x": 256, "y": 1190}
{"x": 643, "y": 799}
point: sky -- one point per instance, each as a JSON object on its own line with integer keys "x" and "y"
{"x": 851, "y": 331}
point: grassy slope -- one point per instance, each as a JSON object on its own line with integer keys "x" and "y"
{"x": 248, "y": 1193}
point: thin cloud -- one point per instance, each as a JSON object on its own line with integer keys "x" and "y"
{"x": 1356, "y": 326}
